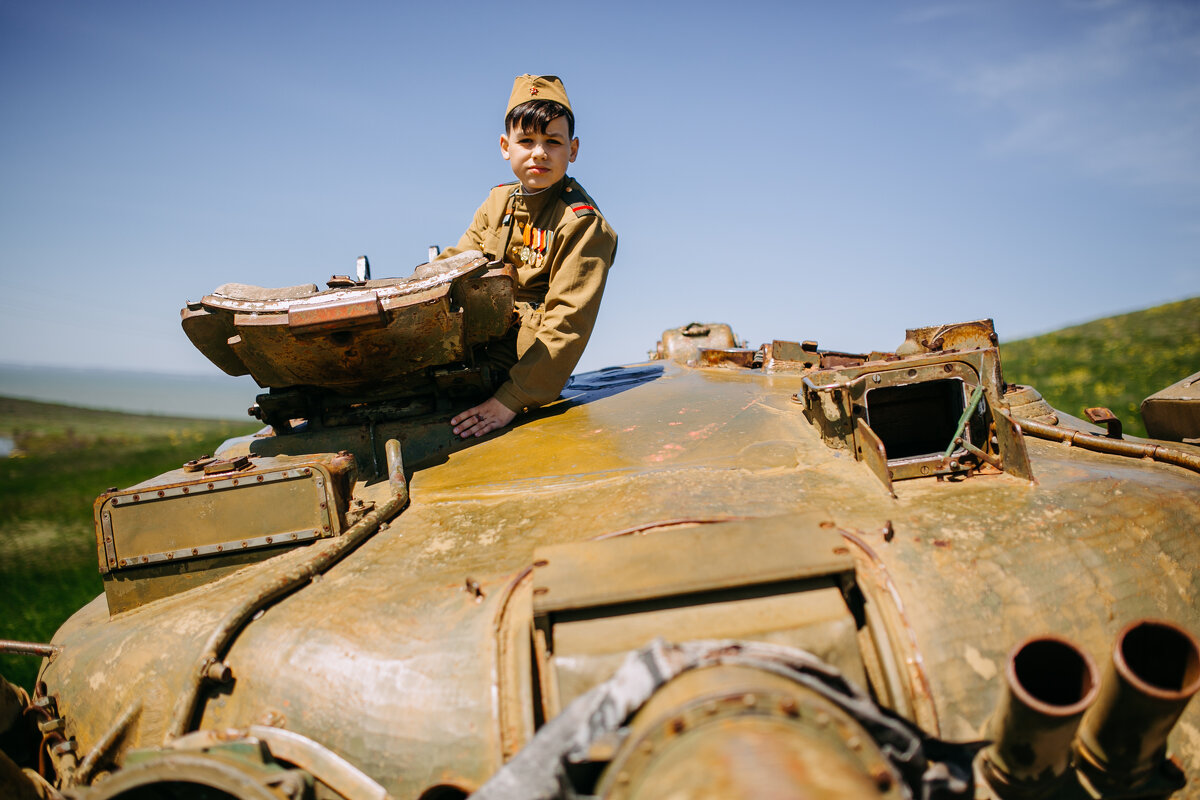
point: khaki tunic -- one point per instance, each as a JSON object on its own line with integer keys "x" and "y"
{"x": 558, "y": 292}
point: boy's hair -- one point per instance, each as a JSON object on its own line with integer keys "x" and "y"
{"x": 536, "y": 115}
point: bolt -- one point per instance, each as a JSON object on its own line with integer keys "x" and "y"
{"x": 137, "y": 497}
{"x": 63, "y": 748}
{"x": 161, "y": 493}
{"x": 51, "y": 725}
{"x": 788, "y": 706}
{"x": 875, "y": 378}
{"x": 748, "y": 700}
{"x": 219, "y": 672}
{"x": 678, "y": 725}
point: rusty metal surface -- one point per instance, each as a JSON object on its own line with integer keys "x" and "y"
{"x": 418, "y": 682}
{"x": 1174, "y": 412}
{"x": 757, "y": 734}
{"x": 362, "y": 335}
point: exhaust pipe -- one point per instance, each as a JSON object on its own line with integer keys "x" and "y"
{"x": 1050, "y": 682}
{"x": 1154, "y": 672}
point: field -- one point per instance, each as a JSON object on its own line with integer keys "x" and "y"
{"x": 67, "y": 456}
{"x": 1115, "y": 362}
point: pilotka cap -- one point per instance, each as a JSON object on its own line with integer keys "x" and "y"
{"x": 537, "y": 87}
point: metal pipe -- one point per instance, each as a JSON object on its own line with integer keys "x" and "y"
{"x": 287, "y": 579}
{"x": 1049, "y": 683}
{"x": 84, "y": 772}
{"x": 1154, "y": 672}
{"x": 14, "y": 647}
{"x": 1102, "y": 444}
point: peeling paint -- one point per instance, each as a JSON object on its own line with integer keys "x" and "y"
{"x": 985, "y": 667}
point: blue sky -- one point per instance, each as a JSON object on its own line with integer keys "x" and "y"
{"x": 801, "y": 170}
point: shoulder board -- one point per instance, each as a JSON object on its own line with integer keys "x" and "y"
{"x": 578, "y": 201}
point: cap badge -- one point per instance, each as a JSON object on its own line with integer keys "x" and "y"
{"x": 533, "y": 90}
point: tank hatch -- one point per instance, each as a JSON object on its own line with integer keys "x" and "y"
{"x": 935, "y": 407}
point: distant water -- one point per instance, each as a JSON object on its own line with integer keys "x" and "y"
{"x": 216, "y": 396}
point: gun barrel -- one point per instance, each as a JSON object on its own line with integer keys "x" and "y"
{"x": 1050, "y": 682}
{"x": 1154, "y": 672}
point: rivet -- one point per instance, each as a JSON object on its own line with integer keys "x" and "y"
{"x": 195, "y": 551}
{"x": 186, "y": 490}
{"x": 788, "y": 706}
{"x": 137, "y": 497}
{"x": 260, "y": 478}
{"x": 748, "y": 700}
{"x": 822, "y": 718}
{"x": 161, "y": 493}
{"x": 235, "y": 481}
{"x": 270, "y": 540}
{"x": 678, "y": 725}
{"x": 875, "y": 378}
{"x": 210, "y": 486}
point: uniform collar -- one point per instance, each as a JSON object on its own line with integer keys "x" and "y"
{"x": 535, "y": 203}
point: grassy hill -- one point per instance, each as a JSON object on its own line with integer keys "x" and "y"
{"x": 66, "y": 457}
{"x": 1113, "y": 362}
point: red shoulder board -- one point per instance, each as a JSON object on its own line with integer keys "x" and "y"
{"x": 584, "y": 209}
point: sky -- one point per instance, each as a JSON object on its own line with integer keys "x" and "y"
{"x": 800, "y": 170}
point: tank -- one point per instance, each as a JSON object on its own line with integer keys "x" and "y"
{"x": 780, "y": 571}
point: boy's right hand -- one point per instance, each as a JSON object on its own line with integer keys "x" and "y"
{"x": 483, "y": 418}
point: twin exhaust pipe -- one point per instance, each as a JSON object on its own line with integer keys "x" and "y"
{"x": 1060, "y": 728}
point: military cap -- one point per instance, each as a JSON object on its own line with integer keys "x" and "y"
{"x": 538, "y": 87}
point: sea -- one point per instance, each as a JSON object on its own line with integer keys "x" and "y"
{"x": 215, "y": 396}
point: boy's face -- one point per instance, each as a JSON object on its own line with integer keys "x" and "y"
{"x": 539, "y": 160}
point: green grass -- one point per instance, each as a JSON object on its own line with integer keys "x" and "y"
{"x": 48, "y": 566}
{"x": 1115, "y": 362}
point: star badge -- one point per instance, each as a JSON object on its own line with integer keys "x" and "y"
{"x": 533, "y": 90}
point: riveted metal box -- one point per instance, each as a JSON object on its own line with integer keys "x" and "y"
{"x": 195, "y": 524}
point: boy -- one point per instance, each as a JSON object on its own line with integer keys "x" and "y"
{"x": 551, "y": 232}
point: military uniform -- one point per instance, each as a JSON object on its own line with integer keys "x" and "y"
{"x": 561, "y": 248}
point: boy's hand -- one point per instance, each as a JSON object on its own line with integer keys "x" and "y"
{"x": 487, "y": 416}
